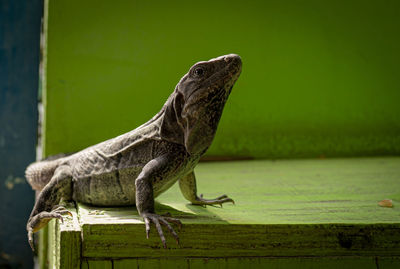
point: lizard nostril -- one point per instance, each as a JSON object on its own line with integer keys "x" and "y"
{"x": 227, "y": 59}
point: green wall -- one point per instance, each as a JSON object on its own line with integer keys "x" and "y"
{"x": 320, "y": 78}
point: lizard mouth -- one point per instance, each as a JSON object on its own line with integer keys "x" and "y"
{"x": 233, "y": 59}
{"x": 226, "y": 70}
{"x": 232, "y": 66}
{"x": 230, "y": 73}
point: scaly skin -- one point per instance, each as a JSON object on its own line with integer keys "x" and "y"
{"x": 136, "y": 167}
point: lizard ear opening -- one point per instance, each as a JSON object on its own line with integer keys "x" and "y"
{"x": 172, "y": 128}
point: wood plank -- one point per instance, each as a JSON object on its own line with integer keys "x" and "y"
{"x": 64, "y": 248}
{"x": 69, "y": 240}
{"x": 53, "y": 240}
{"x": 388, "y": 262}
{"x": 42, "y": 247}
{"x": 283, "y": 208}
{"x": 98, "y": 264}
{"x": 125, "y": 263}
{"x": 219, "y": 240}
{"x": 253, "y": 262}
{"x": 287, "y": 263}
{"x": 151, "y": 263}
{"x": 297, "y": 191}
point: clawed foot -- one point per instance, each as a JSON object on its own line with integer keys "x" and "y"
{"x": 38, "y": 221}
{"x": 158, "y": 220}
{"x": 217, "y": 201}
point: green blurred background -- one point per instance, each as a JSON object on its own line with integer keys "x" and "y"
{"x": 319, "y": 79}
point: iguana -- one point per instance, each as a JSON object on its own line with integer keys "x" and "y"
{"x": 136, "y": 167}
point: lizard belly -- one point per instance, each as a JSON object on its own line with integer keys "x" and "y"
{"x": 116, "y": 188}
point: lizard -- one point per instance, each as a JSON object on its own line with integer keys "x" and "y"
{"x": 135, "y": 167}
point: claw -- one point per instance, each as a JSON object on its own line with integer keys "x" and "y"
{"x": 54, "y": 215}
{"x": 38, "y": 221}
{"x": 217, "y": 201}
{"x": 158, "y": 220}
{"x": 160, "y": 231}
{"x": 171, "y": 230}
{"x": 58, "y": 207}
{"x": 61, "y": 210}
{"x": 147, "y": 224}
{"x": 30, "y": 240}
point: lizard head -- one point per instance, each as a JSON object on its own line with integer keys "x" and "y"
{"x": 198, "y": 101}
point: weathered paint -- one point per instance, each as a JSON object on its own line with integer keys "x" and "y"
{"x": 309, "y": 213}
{"x": 240, "y": 263}
{"x": 64, "y": 243}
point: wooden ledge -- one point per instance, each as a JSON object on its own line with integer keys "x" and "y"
{"x": 291, "y": 208}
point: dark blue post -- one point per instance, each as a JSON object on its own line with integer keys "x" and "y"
{"x": 19, "y": 79}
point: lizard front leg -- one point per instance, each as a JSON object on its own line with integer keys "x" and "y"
{"x": 154, "y": 170}
{"x": 188, "y": 188}
{"x": 46, "y": 206}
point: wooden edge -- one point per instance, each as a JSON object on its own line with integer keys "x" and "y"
{"x": 249, "y": 262}
{"x": 246, "y": 262}
{"x": 227, "y": 240}
{"x": 42, "y": 247}
{"x": 64, "y": 249}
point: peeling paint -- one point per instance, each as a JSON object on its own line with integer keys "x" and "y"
{"x": 11, "y": 181}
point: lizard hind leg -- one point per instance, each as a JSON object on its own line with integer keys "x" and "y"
{"x": 188, "y": 188}
{"x": 46, "y": 206}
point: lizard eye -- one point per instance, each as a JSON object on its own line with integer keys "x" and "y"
{"x": 199, "y": 71}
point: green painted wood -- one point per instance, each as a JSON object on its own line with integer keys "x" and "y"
{"x": 43, "y": 247}
{"x": 227, "y": 240}
{"x": 283, "y": 208}
{"x": 53, "y": 241}
{"x": 253, "y": 262}
{"x": 98, "y": 264}
{"x": 297, "y": 191}
{"x": 388, "y": 263}
{"x": 319, "y": 77}
{"x": 151, "y": 263}
{"x": 125, "y": 263}
{"x": 84, "y": 264}
{"x": 69, "y": 244}
{"x": 288, "y": 263}
{"x": 64, "y": 247}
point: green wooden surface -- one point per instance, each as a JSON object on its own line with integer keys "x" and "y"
{"x": 283, "y": 208}
{"x": 288, "y": 214}
{"x": 298, "y": 191}
{"x": 98, "y": 264}
{"x": 240, "y": 263}
{"x": 64, "y": 243}
{"x": 43, "y": 239}
{"x": 319, "y": 77}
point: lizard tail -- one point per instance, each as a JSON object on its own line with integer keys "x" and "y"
{"x": 39, "y": 174}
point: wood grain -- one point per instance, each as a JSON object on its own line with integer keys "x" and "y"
{"x": 283, "y": 208}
